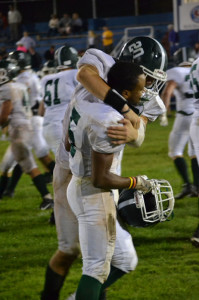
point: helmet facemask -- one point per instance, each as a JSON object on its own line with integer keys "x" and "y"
{"x": 159, "y": 79}
{"x": 8, "y": 71}
{"x": 3, "y": 76}
{"x": 161, "y": 202}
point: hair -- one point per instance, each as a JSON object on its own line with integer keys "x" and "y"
{"x": 124, "y": 76}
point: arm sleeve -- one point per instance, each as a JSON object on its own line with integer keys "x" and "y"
{"x": 100, "y": 142}
{"x": 97, "y": 58}
{"x": 154, "y": 108}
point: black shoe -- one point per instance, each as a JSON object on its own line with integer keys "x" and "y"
{"x": 8, "y": 193}
{"x": 195, "y": 238}
{"x": 186, "y": 190}
{"x": 46, "y": 204}
{"x": 194, "y": 191}
{"x": 52, "y": 219}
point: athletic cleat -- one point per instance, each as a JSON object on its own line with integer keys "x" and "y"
{"x": 186, "y": 190}
{"x": 195, "y": 238}
{"x": 52, "y": 219}
{"x": 72, "y": 296}
{"x": 46, "y": 204}
{"x": 194, "y": 191}
{"x": 8, "y": 193}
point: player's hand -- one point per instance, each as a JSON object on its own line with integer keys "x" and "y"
{"x": 131, "y": 115}
{"x": 143, "y": 183}
{"x": 122, "y": 134}
{"x": 163, "y": 120}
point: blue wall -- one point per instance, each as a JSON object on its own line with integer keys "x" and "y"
{"x": 144, "y": 20}
{"x": 117, "y": 25}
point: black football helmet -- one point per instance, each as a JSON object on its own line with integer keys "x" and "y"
{"x": 151, "y": 56}
{"x": 8, "y": 71}
{"x": 49, "y": 67}
{"x": 66, "y": 57}
{"x": 21, "y": 59}
{"x": 184, "y": 56}
{"x": 142, "y": 210}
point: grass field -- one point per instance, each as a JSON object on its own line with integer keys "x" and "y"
{"x": 168, "y": 267}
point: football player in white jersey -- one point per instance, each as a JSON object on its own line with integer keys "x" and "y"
{"x": 56, "y": 91}
{"x": 194, "y": 131}
{"x": 99, "y": 63}
{"x": 178, "y": 84}
{"x": 31, "y": 80}
{"x": 15, "y": 111}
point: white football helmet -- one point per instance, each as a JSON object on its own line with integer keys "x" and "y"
{"x": 140, "y": 209}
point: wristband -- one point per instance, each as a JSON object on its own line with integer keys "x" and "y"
{"x": 125, "y": 112}
{"x": 114, "y": 99}
{"x": 132, "y": 183}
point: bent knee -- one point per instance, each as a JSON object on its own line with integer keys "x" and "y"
{"x": 69, "y": 250}
{"x": 127, "y": 261}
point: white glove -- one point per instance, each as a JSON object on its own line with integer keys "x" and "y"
{"x": 163, "y": 120}
{"x": 143, "y": 183}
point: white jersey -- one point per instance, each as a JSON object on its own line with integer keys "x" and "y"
{"x": 97, "y": 117}
{"x": 17, "y": 94}
{"x": 194, "y": 78}
{"x": 57, "y": 90}
{"x": 183, "y": 92}
{"x": 32, "y": 81}
{"x": 102, "y": 61}
{"x": 87, "y": 132}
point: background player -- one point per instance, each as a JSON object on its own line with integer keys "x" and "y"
{"x": 31, "y": 80}
{"x": 13, "y": 96}
{"x": 56, "y": 91}
{"x": 178, "y": 85}
{"x": 194, "y": 130}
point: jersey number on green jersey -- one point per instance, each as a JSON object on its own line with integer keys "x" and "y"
{"x": 51, "y": 92}
{"x": 73, "y": 123}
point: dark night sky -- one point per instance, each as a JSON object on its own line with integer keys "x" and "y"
{"x": 38, "y": 11}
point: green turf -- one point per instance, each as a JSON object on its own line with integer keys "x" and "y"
{"x": 168, "y": 266}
